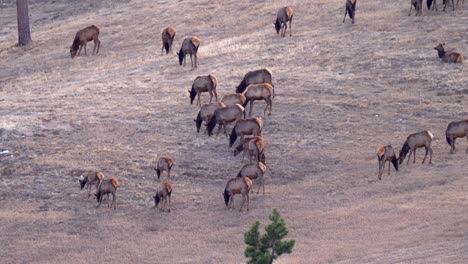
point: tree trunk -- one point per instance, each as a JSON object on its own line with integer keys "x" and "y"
{"x": 24, "y": 34}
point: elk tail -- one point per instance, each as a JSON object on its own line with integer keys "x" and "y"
{"x": 115, "y": 182}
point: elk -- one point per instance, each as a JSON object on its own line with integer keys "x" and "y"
{"x": 206, "y": 112}
{"x": 448, "y": 56}
{"x": 255, "y": 147}
{"x": 224, "y": 116}
{"x": 255, "y": 77}
{"x": 414, "y": 141}
{"x": 91, "y": 178}
{"x": 263, "y": 91}
{"x": 417, "y": 6}
{"x": 350, "y": 10}
{"x": 251, "y": 126}
{"x": 237, "y": 186}
{"x": 203, "y": 84}
{"x": 167, "y": 37}
{"x": 232, "y": 99}
{"x": 456, "y": 129}
{"x": 384, "y": 154}
{"x": 189, "y": 46}
{"x": 163, "y": 196}
{"x": 107, "y": 186}
{"x": 82, "y": 37}
{"x": 164, "y": 164}
{"x": 284, "y": 15}
{"x": 254, "y": 171}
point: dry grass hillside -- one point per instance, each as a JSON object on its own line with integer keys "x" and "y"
{"x": 341, "y": 91}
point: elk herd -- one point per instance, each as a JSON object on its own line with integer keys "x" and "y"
{"x": 230, "y": 111}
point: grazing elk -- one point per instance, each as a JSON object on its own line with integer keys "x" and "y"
{"x": 255, "y": 77}
{"x": 417, "y": 6}
{"x": 163, "y": 196}
{"x": 263, "y": 91}
{"x": 167, "y": 38}
{"x": 284, "y": 15}
{"x": 206, "y": 112}
{"x": 225, "y": 115}
{"x": 448, "y": 56}
{"x": 203, "y": 84}
{"x": 232, "y": 99}
{"x": 82, "y": 37}
{"x": 107, "y": 186}
{"x": 350, "y": 10}
{"x": 384, "y": 154}
{"x": 414, "y": 141}
{"x": 255, "y": 147}
{"x": 254, "y": 171}
{"x": 237, "y": 186}
{"x": 189, "y": 46}
{"x": 456, "y": 129}
{"x": 251, "y": 126}
{"x": 91, "y": 178}
{"x": 164, "y": 164}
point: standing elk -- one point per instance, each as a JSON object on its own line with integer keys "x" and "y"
{"x": 107, "y": 186}
{"x": 163, "y": 196}
{"x": 255, "y": 92}
{"x": 82, "y": 37}
{"x": 232, "y": 99}
{"x": 284, "y": 15}
{"x": 254, "y": 171}
{"x": 164, "y": 164}
{"x": 251, "y": 126}
{"x": 167, "y": 38}
{"x": 255, "y": 77}
{"x": 189, "y": 46}
{"x": 384, "y": 154}
{"x": 91, "y": 178}
{"x": 224, "y": 116}
{"x": 255, "y": 146}
{"x": 414, "y": 141}
{"x": 206, "y": 113}
{"x": 417, "y": 6}
{"x": 456, "y": 129}
{"x": 237, "y": 186}
{"x": 204, "y": 84}
{"x": 350, "y": 10}
{"x": 448, "y": 56}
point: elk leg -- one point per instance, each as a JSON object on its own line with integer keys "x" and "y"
{"x": 409, "y": 14}
{"x": 389, "y": 168}
{"x": 211, "y": 96}
{"x": 216, "y": 95}
{"x": 191, "y": 60}
{"x": 248, "y": 201}
{"x": 414, "y": 156}
{"x": 409, "y": 156}
{"x": 452, "y": 145}
{"x": 199, "y": 101}
{"x": 453, "y": 5}
{"x": 251, "y": 107}
{"x": 290, "y": 27}
{"x": 243, "y": 202}
{"x": 466, "y": 152}
{"x": 79, "y": 51}
{"x": 425, "y": 155}
{"x": 169, "y": 204}
{"x": 346, "y": 11}
{"x": 85, "y": 50}
{"x": 195, "y": 60}
{"x": 380, "y": 169}
{"x": 269, "y": 103}
{"x": 114, "y": 200}
{"x": 219, "y": 128}
{"x": 430, "y": 155}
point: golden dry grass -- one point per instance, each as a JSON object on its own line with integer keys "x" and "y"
{"x": 341, "y": 91}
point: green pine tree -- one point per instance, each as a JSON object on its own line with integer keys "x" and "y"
{"x": 269, "y": 246}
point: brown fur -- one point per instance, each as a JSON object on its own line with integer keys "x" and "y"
{"x": 237, "y": 186}
{"x": 384, "y": 154}
{"x": 255, "y": 77}
{"x": 254, "y": 171}
{"x": 224, "y": 116}
{"x": 167, "y": 38}
{"x": 448, "y": 56}
{"x": 246, "y": 127}
{"x": 233, "y": 99}
{"x": 164, "y": 164}
{"x": 189, "y": 47}
{"x": 82, "y": 37}
{"x": 255, "y": 147}
{"x": 456, "y": 129}
{"x": 414, "y": 141}
{"x": 106, "y": 187}
{"x": 204, "y": 84}
{"x": 284, "y": 15}
{"x": 163, "y": 196}
{"x": 91, "y": 178}
{"x": 255, "y": 92}
{"x": 206, "y": 113}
